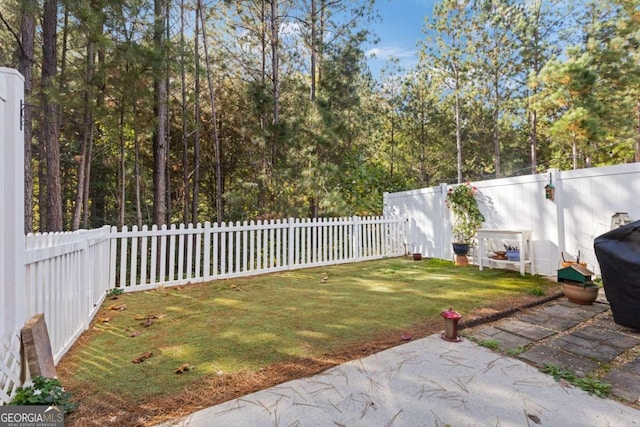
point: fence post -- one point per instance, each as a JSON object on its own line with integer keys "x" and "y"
{"x": 555, "y": 178}
{"x": 291, "y": 243}
{"x": 356, "y": 237}
{"x": 446, "y": 236}
{"x": 12, "y": 249}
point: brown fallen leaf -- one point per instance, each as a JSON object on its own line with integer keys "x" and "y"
{"x": 134, "y": 334}
{"x": 183, "y": 368}
{"x": 148, "y": 322}
{"x": 235, "y": 288}
{"x": 120, "y": 307}
{"x": 103, "y": 319}
{"x": 144, "y": 356}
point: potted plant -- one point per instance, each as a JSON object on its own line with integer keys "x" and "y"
{"x": 581, "y": 293}
{"x": 577, "y": 285}
{"x": 467, "y": 218}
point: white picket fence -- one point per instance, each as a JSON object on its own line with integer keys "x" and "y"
{"x": 146, "y": 258}
{"x": 67, "y": 276}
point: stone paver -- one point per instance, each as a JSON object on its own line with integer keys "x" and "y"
{"x": 525, "y": 329}
{"x": 507, "y": 340}
{"x": 557, "y": 337}
{"x": 609, "y": 337}
{"x": 624, "y": 385}
{"x": 543, "y": 354}
{"x": 587, "y": 348}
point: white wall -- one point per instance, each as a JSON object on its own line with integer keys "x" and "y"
{"x": 12, "y": 237}
{"x": 585, "y": 201}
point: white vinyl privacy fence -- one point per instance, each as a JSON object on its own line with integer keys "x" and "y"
{"x": 585, "y": 202}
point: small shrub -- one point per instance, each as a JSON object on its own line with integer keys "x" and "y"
{"x": 114, "y": 292}
{"x": 44, "y": 391}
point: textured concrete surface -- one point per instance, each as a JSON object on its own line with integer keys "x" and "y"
{"x": 432, "y": 382}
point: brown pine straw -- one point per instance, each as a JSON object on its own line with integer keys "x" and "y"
{"x": 114, "y": 411}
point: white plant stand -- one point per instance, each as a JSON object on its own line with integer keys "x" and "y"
{"x": 523, "y": 237}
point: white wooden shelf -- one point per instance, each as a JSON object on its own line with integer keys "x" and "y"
{"x": 523, "y": 237}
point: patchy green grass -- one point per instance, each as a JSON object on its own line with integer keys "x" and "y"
{"x": 229, "y": 326}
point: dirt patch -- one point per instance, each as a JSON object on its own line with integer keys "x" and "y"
{"x": 114, "y": 411}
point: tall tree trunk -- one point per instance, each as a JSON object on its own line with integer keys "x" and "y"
{"x": 496, "y": 128}
{"x": 87, "y": 135}
{"x": 122, "y": 179}
{"x": 51, "y": 115}
{"x": 196, "y": 113}
{"x": 26, "y": 61}
{"x": 185, "y": 137}
{"x": 637, "y": 156}
{"x": 275, "y": 65}
{"x": 533, "y": 138}
{"x": 458, "y": 131}
{"x": 160, "y": 111}
{"x": 214, "y": 118}
{"x": 314, "y": 53}
{"x": 168, "y": 114}
{"x": 99, "y": 81}
{"x": 136, "y": 166}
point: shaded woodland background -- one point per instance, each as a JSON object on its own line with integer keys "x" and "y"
{"x": 142, "y": 112}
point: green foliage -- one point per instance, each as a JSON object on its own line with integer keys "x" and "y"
{"x": 336, "y": 152}
{"x": 490, "y": 344}
{"x": 467, "y": 217}
{"x": 588, "y": 384}
{"x": 44, "y": 391}
{"x": 515, "y": 351}
{"x": 114, "y": 292}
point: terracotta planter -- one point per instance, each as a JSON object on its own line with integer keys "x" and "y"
{"x": 417, "y": 256}
{"x": 578, "y": 294}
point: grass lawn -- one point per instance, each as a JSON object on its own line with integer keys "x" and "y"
{"x": 239, "y": 335}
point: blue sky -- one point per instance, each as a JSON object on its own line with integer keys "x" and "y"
{"x": 400, "y": 28}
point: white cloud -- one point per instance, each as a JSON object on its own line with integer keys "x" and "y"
{"x": 388, "y": 52}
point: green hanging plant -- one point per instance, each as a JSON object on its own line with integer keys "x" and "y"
{"x": 467, "y": 217}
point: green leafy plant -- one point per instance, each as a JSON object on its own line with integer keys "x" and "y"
{"x": 515, "y": 351}
{"x": 467, "y": 217}
{"x": 588, "y": 384}
{"x": 114, "y": 292}
{"x": 594, "y": 386}
{"x": 490, "y": 344}
{"x": 44, "y": 391}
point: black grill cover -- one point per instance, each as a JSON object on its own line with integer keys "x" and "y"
{"x": 618, "y": 253}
